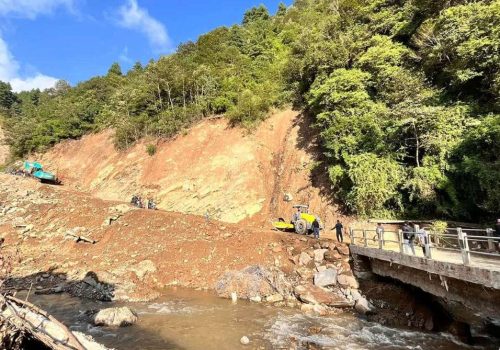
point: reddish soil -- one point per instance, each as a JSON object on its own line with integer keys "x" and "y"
{"x": 185, "y": 250}
{"x": 238, "y": 177}
{"x": 231, "y": 173}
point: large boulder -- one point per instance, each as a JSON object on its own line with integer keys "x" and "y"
{"x": 363, "y": 306}
{"x": 115, "y": 317}
{"x": 325, "y": 278}
{"x": 332, "y": 256}
{"x": 347, "y": 281}
{"x": 315, "y": 295}
{"x": 253, "y": 281}
{"x": 304, "y": 259}
{"x": 305, "y": 273}
{"x": 343, "y": 249}
{"x": 319, "y": 255}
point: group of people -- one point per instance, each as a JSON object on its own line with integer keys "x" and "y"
{"x": 137, "y": 202}
{"x": 411, "y": 235}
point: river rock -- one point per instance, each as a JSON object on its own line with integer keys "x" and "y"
{"x": 115, "y": 317}
{"x": 253, "y": 281}
{"x": 325, "y": 244}
{"x": 304, "y": 259}
{"x": 356, "y": 295}
{"x": 325, "y": 278}
{"x": 343, "y": 249}
{"x": 347, "y": 281}
{"x": 332, "y": 256}
{"x": 315, "y": 295}
{"x": 320, "y": 310}
{"x": 275, "y": 298}
{"x": 244, "y": 340}
{"x": 363, "y": 306}
{"x": 319, "y": 255}
{"x": 305, "y": 273}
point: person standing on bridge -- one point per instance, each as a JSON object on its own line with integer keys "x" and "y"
{"x": 423, "y": 236}
{"x": 408, "y": 237}
{"x": 339, "y": 228}
{"x": 379, "y": 232}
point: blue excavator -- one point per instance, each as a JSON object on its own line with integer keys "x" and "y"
{"x": 35, "y": 170}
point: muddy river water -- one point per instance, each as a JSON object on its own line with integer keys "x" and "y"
{"x": 185, "y": 319}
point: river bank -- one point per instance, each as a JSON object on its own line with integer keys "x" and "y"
{"x": 188, "y": 319}
{"x": 138, "y": 253}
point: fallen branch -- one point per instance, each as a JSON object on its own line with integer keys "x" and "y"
{"x": 39, "y": 324}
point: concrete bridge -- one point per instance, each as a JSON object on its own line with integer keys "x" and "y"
{"x": 460, "y": 267}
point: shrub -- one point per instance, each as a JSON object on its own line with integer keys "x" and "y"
{"x": 151, "y": 149}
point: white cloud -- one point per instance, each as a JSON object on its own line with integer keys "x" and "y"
{"x": 39, "y": 81}
{"x": 9, "y": 67}
{"x": 32, "y": 8}
{"x": 9, "y": 72}
{"x": 134, "y": 17}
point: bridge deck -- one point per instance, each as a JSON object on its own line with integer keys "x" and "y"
{"x": 455, "y": 257}
{"x": 482, "y": 269}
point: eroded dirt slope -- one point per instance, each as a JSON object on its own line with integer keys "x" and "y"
{"x": 137, "y": 250}
{"x": 233, "y": 174}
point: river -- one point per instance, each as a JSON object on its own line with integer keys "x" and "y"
{"x": 192, "y": 320}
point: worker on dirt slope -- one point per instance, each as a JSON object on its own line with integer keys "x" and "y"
{"x": 151, "y": 204}
{"x": 315, "y": 226}
{"x": 339, "y": 228}
{"x": 296, "y": 216}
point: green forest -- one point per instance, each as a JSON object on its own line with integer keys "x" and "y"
{"x": 404, "y": 96}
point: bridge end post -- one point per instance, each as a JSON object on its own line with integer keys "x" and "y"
{"x": 464, "y": 246}
{"x": 400, "y": 241}
{"x": 491, "y": 244}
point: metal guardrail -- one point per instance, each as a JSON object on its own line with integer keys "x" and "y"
{"x": 466, "y": 242}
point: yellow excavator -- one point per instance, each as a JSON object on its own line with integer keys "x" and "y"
{"x": 301, "y": 221}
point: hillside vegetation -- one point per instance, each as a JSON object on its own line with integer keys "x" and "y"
{"x": 404, "y": 94}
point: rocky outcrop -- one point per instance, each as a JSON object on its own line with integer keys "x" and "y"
{"x": 253, "y": 282}
{"x": 115, "y": 317}
{"x": 321, "y": 281}
{"x": 311, "y": 294}
{"x": 326, "y": 278}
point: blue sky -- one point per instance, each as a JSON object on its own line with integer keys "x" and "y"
{"x": 45, "y": 40}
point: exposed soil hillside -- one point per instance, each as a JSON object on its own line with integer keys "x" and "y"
{"x": 137, "y": 250}
{"x": 229, "y": 172}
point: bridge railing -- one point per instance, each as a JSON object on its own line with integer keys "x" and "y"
{"x": 467, "y": 243}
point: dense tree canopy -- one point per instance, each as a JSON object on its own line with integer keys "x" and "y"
{"x": 404, "y": 96}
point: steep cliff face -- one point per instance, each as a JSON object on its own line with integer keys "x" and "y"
{"x": 229, "y": 172}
